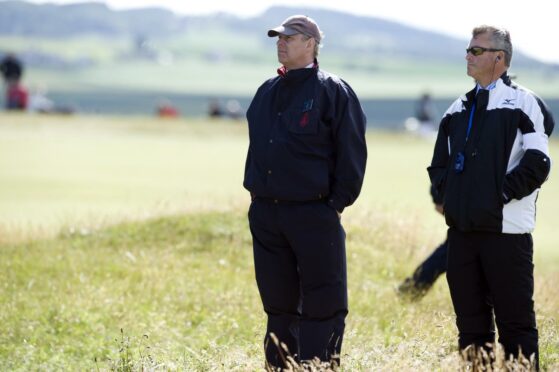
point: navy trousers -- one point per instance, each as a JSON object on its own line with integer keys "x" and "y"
{"x": 300, "y": 266}
{"x": 491, "y": 275}
{"x": 427, "y": 273}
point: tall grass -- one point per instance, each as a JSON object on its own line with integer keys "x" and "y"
{"x": 132, "y": 253}
{"x": 182, "y": 291}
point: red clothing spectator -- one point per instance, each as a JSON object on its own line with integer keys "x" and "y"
{"x": 167, "y": 111}
{"x": 16, "y": 97}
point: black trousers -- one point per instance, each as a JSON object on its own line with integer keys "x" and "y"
{"x": 491, "y": 274}
{"x": 300, "y": 265}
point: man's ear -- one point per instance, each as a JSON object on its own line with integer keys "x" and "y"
{"x": 311, "y": 42}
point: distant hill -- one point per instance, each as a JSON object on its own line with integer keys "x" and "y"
{"x": 96, "y": 59}
{"x": 60, "y": 21}
{"x": 345, "y": 33}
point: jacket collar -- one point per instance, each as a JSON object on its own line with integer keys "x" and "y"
{"x": 469, "y": 97}
{"x": 283, "y": 72}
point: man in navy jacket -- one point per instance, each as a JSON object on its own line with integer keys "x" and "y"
{"x": 490, "y": 160}
{"x": 305, "y": 164}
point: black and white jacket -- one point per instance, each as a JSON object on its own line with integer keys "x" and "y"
{"x": 506, "y": 159}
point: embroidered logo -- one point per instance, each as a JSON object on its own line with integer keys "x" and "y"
{"x": 509, "y": 101}
{"x": 307, "y": 106}
{"x": 304, "y": 120}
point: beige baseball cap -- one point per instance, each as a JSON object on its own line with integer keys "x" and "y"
{"x": 297, "y": 24}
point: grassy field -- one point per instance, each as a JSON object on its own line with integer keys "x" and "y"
{"x": 124, "y": 245}
{"x": 224, "y": 64}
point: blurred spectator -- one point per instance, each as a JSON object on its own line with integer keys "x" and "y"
{"x": 166, "y": 110}
{"x": 425, "y": 275}
{"x": 425, "y": 110}
{"x": 38, "y": 101}
{"x": 16, "y": 94}
{"x": 214, "y": 110}
{"x": 424, "y": 121}
{"x": 16, "y": 97}
{"x": 12, "y": 69}
{"x": 234, "y": 110}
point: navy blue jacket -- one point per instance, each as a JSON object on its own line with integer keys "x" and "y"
{"x": 307, "y": 139}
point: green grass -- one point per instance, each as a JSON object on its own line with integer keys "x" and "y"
{"x": 124, "y": 245}
{"x": 198, "y": 75}
{"x": 182, "y": 290}
{"x": 96, "y": 48}
{"x": 223, "y": 64}
{"x": 181, "y": 281}
{"x": 57, "y": 171}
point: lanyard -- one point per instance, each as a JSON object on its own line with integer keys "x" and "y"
{"x": 471, "y": 120}
{"x": 478, "y": 88}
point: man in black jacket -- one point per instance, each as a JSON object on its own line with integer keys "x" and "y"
{"x": 490, "y": 160}
{"x": 305, "y": 164}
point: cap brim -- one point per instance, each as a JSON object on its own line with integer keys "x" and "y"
{"x": 282, "y": 30}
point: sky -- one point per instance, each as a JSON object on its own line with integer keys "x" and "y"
{"x": 531, "y": 23}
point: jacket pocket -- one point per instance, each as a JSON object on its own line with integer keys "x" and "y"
{"x": 303, "y": 122}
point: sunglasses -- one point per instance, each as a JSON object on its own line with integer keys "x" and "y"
{"x": 478, "y": 51}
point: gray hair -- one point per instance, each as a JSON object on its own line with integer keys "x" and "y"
{"x": 317, "y": 44}
{"x": 499, "y": 37}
